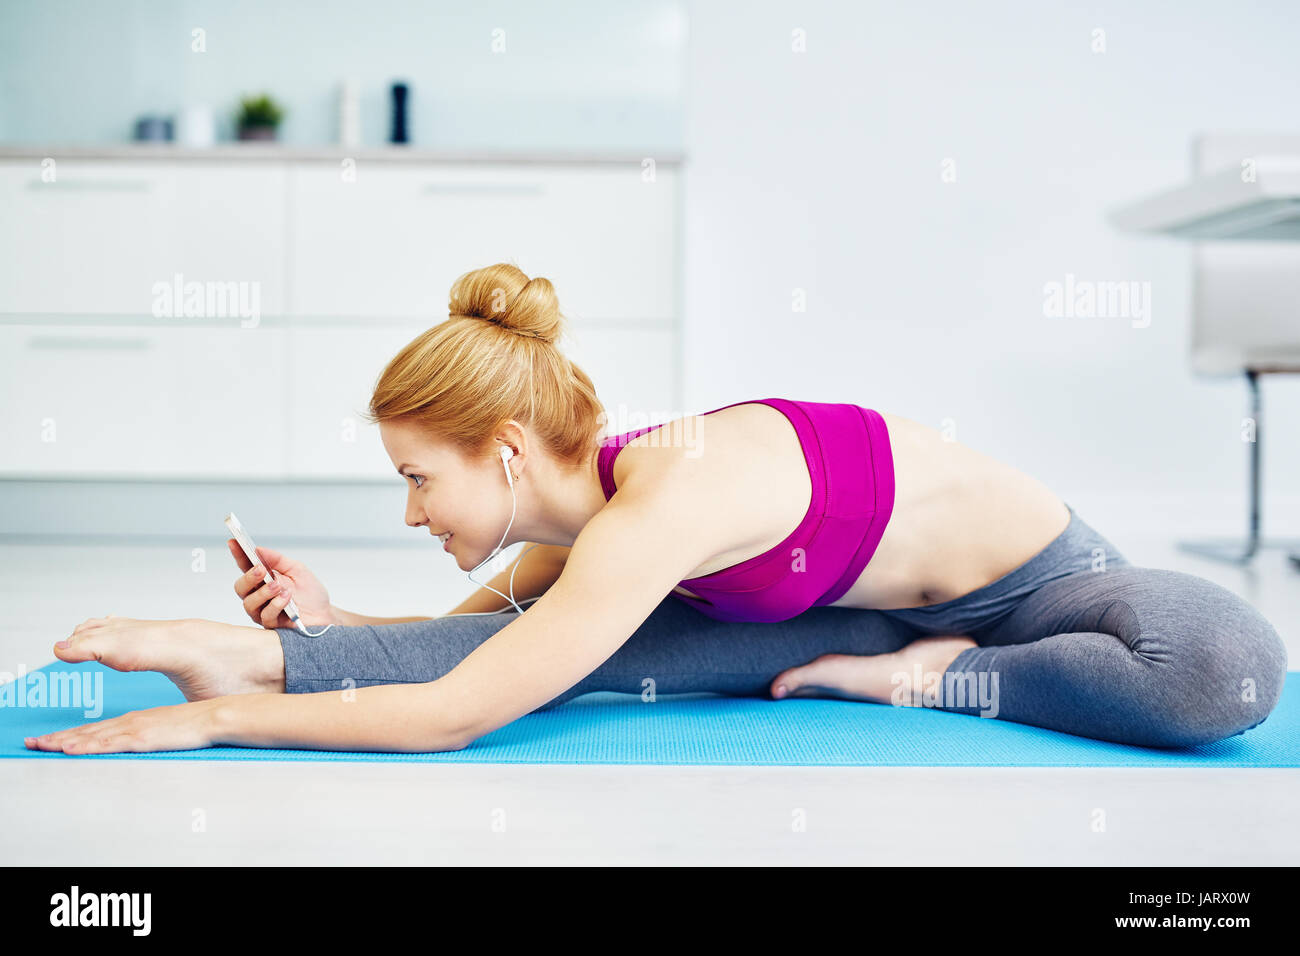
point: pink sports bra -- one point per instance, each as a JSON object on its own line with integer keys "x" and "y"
{"x": 852, "y": 471}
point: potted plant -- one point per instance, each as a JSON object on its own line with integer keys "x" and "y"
{"x": 258, "y": 117}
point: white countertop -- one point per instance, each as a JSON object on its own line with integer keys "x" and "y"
{"x": 262, "y": 151}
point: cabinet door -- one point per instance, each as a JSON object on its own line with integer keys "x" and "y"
{"x": 102, "y": 234}
{"x": 142, "y": 402}
{"x": 390, "y": 242}
{"x": 230, "y": 225}
{"x": 331, "y": 374}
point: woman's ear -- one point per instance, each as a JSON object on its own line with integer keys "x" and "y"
{"x": 513, "y": 440}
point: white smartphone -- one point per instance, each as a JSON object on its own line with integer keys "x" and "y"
{"x": 246, "y": 543}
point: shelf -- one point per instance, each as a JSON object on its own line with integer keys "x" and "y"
{"x": 276, "y": 152}
{"x": 1221, "y": 205}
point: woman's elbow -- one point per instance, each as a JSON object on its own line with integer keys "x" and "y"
{"x": 439, "y": 735}
{"x": 429, "y": 742}
{"x": 416, "y": 718}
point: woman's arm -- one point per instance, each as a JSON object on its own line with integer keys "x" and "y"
{"x": 403, "y": 718}
{"x": 406, "y": 718}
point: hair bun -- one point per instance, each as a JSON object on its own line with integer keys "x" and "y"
{"x": 504, "y": 296}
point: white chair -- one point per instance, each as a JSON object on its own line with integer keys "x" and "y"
{"x": 1241, "y": 211}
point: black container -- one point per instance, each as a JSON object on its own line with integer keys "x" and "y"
{"x": 400, "y": 101}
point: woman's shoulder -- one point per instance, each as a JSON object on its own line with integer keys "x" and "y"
{"x": 740, "y": 473}
{"x": 735, "y": 442}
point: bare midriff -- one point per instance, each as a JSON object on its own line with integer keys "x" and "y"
{"x": 960, "y": 519}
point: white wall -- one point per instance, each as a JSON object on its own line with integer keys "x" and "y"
{"x": 822, "y": 171}
{"x": 576, "y": 74}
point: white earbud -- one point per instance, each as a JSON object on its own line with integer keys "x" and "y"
{"x": 506, "y": 454}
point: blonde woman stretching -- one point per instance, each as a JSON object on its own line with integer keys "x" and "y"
{"x": 768, "y": 547}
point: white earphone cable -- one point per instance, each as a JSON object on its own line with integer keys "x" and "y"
{"x": 511, "y": 598}
{"x": 506, "y": 454}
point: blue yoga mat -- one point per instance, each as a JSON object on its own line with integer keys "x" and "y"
{"x": 607, "y": 728}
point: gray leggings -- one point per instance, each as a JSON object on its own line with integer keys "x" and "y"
{"x": 1076, "y": 640}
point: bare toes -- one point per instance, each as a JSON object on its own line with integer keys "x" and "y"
{"x": 79, "y": 650}
{"x": 802, "y": 681}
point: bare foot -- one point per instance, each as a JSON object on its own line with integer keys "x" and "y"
{"x": 203, "y": 658}
{"x": 871, "y": 677}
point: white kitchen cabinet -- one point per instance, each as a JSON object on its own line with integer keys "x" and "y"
{"x": 98, "y": 238}
{"x": 95, "y": 384}
{"x": 390, "y": 243}
{"x": 121, "y": 401}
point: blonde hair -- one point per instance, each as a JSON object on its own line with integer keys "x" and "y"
{"x": 494, "y": 359}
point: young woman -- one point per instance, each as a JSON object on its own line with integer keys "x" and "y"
{"x": 765, "y": 547}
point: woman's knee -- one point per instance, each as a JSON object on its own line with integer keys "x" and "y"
{"x": 1223, "y": 664}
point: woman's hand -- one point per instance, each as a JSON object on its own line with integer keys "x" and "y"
{"x": 189, "y": 726}
{"x": 264, "y": 603}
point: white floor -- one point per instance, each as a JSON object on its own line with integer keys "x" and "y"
{"x": 142, "y": 812}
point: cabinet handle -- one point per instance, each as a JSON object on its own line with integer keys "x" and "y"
{"x": 87, "y": 342}
{"x": 94, "y": 185}
{"x": 485, "y": 189}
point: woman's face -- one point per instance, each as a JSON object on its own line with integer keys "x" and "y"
{"x": 446, "y": 492}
